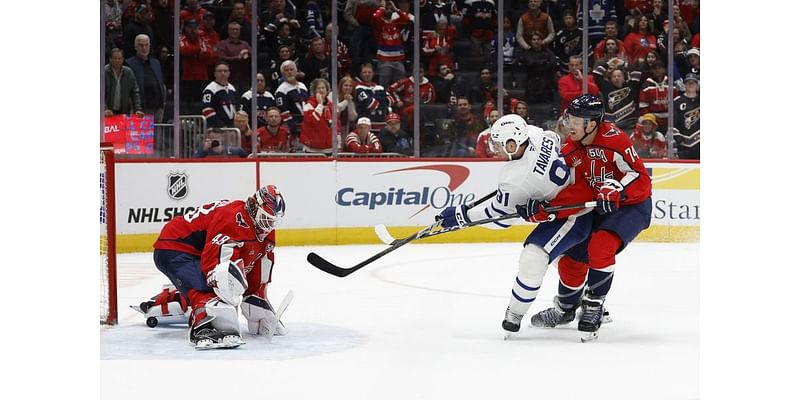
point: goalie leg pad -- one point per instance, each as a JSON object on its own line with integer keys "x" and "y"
{"x": 226, "y": 316}
{"x": 532, "y": 267}
{"x": 261, "y": 316}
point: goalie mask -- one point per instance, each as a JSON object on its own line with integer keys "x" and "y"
{"x": 266, "y": 207}
{"x": 509, "y": 127}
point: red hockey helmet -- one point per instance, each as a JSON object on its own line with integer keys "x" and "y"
{"x": 266, "y": 207}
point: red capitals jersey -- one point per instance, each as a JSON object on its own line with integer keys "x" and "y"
{"x": 611, "y": 155}
{"x": 220, "y": 232}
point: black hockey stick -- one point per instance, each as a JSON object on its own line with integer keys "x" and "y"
{"x": 326, "y": 266}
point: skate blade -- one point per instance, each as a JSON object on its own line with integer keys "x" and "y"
{"x": 509, "y": 335}
{"x": 228, "y": 342}
{"x": 588, "y": 336}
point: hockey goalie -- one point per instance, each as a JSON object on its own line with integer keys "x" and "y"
{"x": 219, "y": 259}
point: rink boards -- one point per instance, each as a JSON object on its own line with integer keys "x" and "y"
{"x": 339, "y": 202}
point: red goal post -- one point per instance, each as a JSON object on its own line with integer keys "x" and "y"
{"x": 108, "y": 250}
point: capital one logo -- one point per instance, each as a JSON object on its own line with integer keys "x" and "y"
{"x": 425, "y": 196}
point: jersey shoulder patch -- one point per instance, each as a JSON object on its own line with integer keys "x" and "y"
{"x": 241, "y": 221}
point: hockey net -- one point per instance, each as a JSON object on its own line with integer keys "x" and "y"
{"x": 108, "y": 253}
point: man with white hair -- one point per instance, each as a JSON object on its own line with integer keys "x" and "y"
{"x": 290, "y": 97}
{"x": 149, "y": 77}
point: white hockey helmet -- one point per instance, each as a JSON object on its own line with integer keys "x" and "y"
{"x": 509, "y": 127}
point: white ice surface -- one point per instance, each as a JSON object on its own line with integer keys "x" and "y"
{"x": 422, "y": 323}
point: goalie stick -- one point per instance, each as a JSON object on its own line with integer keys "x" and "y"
{"x": 279, "y": 312}
{"x": 431, "y": 230}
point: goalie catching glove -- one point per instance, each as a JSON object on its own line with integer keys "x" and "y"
{"x": 454, "y": 217}
{"x": 261, "y": 318}
{"x": 534, "y": 211}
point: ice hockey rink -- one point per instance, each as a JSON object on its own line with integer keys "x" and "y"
{"x": 424, "y": 323}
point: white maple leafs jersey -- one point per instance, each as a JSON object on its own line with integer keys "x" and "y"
{"x": 540, "y": 174}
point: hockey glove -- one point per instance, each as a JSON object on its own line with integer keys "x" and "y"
{"x": 261, "y": 318}
{"x": 608, "y": 197}
{"x": 228, "y": 281}
{"x": 454, "y": 217}
{"x": 534, "y": 211}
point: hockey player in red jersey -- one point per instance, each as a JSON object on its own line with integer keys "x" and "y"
{"x": 605, "y": 157}
{"x": 220, "y": 257}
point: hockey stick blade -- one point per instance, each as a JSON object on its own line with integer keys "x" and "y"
{"x": 384, "y": 235}
{"x": 387, "y": 238}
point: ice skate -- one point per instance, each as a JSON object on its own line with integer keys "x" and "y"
{"x": 204, "y": 336}
{"x": 591, "y": 319}
{"x": 552, "y": 317}
{"x": 511, "y": 323}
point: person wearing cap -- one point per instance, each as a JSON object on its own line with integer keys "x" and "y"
{"x": 192, "y": 10}
{"x": 362, "y": 140}
{"x": 693, "y": 58}
{"x": 394, "y": 139}
{"x": 647, "y": 141}
{"x": 207, "y": 29}
{"x": 138, "y": 26}
{"x": 686, "y": 111}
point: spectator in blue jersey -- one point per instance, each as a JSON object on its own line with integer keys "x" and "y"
{"x": 372, "y": 100}
{"x": 568, "y": 40}
{"x": 219, "y": 98}
{"x": 121, "y": 90}
{"x": 509, "y": 49}
{"x": 215, "y": 145}
{"x": 600, "y": 11}
{"x": 264, "y": 100}
{"x": 291, "y": 97}
{"x": 620, "y": 93}
{"x": 147, "y": 70}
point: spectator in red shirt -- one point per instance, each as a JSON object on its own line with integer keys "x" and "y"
{"x": 362, "y": 140}
{"x": 484, "y": 148}
{"x": 247, "y": 136}
{"x": 197, "y": 56}
{"x": 316, "y": 133}
{"x": 570, "y": 86}
{"x": 647, "y": 141}
{"x": 274, "y": 137}
{"x": 641, "y": 40}
{"x": 656, "y": 95}
{"x": 611, "y": 33}
{"x": 191, "y": 10}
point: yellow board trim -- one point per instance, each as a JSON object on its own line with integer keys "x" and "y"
{"x": 134, "y": 243}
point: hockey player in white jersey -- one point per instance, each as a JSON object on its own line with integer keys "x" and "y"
{"x": 535, "y": 177}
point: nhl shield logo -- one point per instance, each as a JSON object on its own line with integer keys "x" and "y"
{"x": 176, "y": 185}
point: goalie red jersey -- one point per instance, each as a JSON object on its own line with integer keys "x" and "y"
{"x": 221, "y": 232}
{"x": 611, "y": 155}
